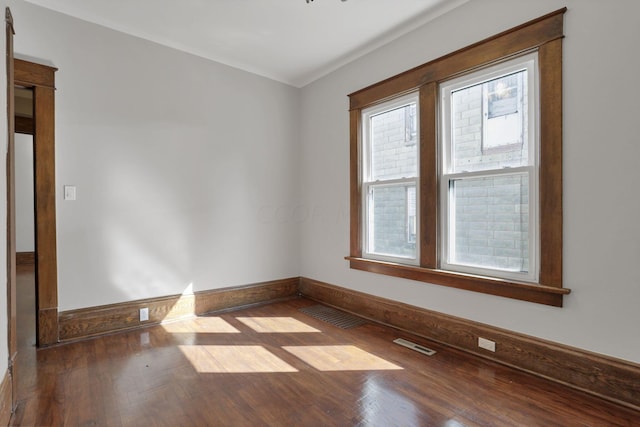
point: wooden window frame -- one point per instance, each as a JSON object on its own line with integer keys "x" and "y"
{"x": 542, "y": 35}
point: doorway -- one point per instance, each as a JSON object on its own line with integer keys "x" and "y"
{"x": 39, "y": 80}
{"x": 24, "y": 219}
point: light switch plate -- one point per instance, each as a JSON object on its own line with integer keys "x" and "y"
{"x": 69, "y": 192}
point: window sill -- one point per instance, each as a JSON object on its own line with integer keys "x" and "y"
{"x": 540, "y": 294}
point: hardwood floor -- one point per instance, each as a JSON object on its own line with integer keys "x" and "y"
{"x": 26, "y": 306}
{"x": 275, "y": 366}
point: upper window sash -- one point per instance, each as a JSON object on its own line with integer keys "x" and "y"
{"x": 527, "y": 62}
{"x": 367, "y": 134}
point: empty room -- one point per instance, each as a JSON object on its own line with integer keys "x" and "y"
{"x": 320, "y": 213}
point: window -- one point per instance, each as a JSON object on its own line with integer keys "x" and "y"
{"x": 390, "y": 178}
{"x": 456, "y": 168}
{"x": 488, "y": 169}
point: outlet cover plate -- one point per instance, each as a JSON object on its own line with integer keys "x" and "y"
{"x": 487, "y": 344}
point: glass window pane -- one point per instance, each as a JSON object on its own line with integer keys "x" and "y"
{"x": 392, "y": 220}
{"x": 412, "y": 221}
{"x": 393, "y": 136}
{"x": 489, "y": 124}
{"x": 489, "y": 225}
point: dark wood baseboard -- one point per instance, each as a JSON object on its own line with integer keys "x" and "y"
{"x": 92, "y": 321}
{"x": 609, "y": 378}
{"x": 5, "y": 399}
{"x": 25, "y": 258}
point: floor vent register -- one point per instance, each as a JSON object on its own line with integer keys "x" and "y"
{"x": 335, "y": 317}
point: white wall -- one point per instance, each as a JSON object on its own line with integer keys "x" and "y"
{"x": 601, "y": 152}
{"x": 182, "y": 165}
{"x": 24, "y": 193}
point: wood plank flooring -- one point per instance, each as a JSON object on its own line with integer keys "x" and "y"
{"x": 275, "y": 366}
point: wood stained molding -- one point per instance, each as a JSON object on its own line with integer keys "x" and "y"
{"x": 41, "y": 78}
{"x": 527, "y": 36}
{"x": 9, "y": 387}
{"x": 30, "y": 74}
{"x": 25, "y": 125}
{"x": 47, "y": 326}
{"x": 87, "y": 322}
{"x": 25, "y": 258}
{"x": 5, "y": 399}
{"x": 609, "y": 378}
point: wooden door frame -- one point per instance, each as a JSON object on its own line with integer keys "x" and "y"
{"x": 8, "y": 404}
{"x": 41, "y": 78}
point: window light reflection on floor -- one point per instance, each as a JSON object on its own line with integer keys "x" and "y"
{"x": 380, "y": 404}
{"x": 234, "y": 359}
{"x": 276, "y": 325}
{"x": 340, "y": 358}
{"x": 257, "y": 359}
{"x": 201, "y": 325}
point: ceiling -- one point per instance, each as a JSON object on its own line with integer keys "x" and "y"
{"x": 291, "y": 41}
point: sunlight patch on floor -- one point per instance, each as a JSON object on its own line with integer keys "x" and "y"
{"x": 234, "y": 359}
{"x": 340, "y": 358}
{"x": 201, "y": 325}
{"x": 276, "y": 325}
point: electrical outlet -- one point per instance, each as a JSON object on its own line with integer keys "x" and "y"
{"x": 487, "y": 344}
{"x": 144, "y": 314}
